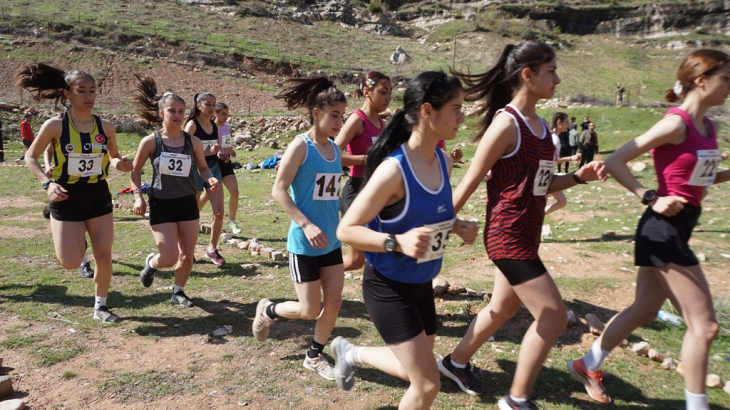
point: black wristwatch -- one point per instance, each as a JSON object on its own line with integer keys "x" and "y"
{"x": 45, "y": 184}
{"x": 649, "y": 197}
{"x": 389, "y": 244}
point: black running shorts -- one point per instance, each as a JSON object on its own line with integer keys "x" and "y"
{"x": 349, "y": 192}
{"x": 305, "y": 268}
{"x": 661, "y": 240}
{"x": 173, "y": 210}
{"x": 226, "y": 168}
{"x": 85, "y": 201}
{"x": 400, "y": 311}
{"x": 520, "y": 271}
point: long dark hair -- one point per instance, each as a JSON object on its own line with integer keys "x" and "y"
{"x": 197, "y": 100}
{"x": 312, "y": 93}
{"x": 433, "y": 87}
{"x": 369, "y": 81}
{"x": 498, "y": 85}
{"x": 558, "y": 116}
{"x": 45, "y": 82}
{"x": 149, "y": 103}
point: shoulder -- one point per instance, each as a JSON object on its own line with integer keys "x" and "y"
{"x": 107, "y": 125}
{"x": 53, "y": 123}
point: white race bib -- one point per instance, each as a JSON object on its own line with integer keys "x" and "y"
{"x": 543, "y": 177}
{"x": 326, "y": 187}
{"x": 439, "y": 237}
{"x": 85, "y": 165}
{"x": 706, "y": 168}
{"x": 226, "y": 141}
{"x": 374, "y": 139}
{"x": 176, "y": 165}
{"x": 207, "y": 145}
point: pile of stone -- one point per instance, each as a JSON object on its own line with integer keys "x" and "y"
{"x": 253, "y": 247}
{"x": 6, "y": 389}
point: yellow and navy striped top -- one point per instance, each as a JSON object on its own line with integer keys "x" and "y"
{"x": 80, "y": 158}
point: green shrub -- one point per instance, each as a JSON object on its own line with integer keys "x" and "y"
{"x": 375, "y": 6}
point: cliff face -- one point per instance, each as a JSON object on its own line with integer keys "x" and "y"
{"x": 650, "y": 20}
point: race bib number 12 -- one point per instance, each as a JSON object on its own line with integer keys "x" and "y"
{"x": 706, "y": 168}
{"x": 543, "y": 177}
{"x": 439, "y": 237}
{"x": 326, "y": 187}
{"x": 85, "y": 165}
{"x": 176, "y": 165}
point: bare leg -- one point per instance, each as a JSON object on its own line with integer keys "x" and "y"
{"x": 560, "y": 202}
{"x": 231, "y": 183}
{"x": 101, "y": 235}
{"x": 68, "y": 239}
{"x": 187, "y": 238}
{"x": 216, "y": 203}
{"x": 354, "y": 259}
{"x": 385, "y": 360}
{"x": 166, "y": 237}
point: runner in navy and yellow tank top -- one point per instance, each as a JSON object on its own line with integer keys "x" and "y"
{"x": 84, "y": 147}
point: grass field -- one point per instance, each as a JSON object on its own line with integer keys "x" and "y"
{"x": 159, "y": 356}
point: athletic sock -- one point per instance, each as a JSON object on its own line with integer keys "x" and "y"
{"x": 270, "y": 311}
{"x": 696, "y": 401}
{"x": 516, "y": 400}
{"x": 99, "y": 302}
{"x": 594, "y": 357}
{"x": 457, "y": 365}
{"x": 315, "y": 350}
{"x": 149, "y": 263}
{"x": 353, "y": 357}
{"x": 176, "y": 289}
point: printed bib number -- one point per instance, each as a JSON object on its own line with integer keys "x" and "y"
{"x": 706, "y": 168}
{"x": 439, "y": 238}
{"x": 226, "y": 142}
{"x": 207, "y": 145}
{"x": 543, "y": 177}
{"x": 326, "y": 187}
{"x": 85, "y": 165}
{"x": 176, "y": 165}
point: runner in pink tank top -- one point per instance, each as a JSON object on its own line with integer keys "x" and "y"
{"x": 685, "y": 153}
{"x": 357, "y": 135}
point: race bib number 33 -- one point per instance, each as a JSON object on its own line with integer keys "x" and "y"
{"x": 176, "y": 165}
{"x": 439, "y": 237}
{"x": 706, "y": 168}
{"x": 326, "y": 187}
{"x": 85, "y": 165}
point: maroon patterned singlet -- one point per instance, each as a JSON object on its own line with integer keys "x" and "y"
{"x": 514, "y": 214}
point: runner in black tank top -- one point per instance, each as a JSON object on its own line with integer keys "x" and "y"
{"x": 517, "y": 146}
{"x": 82, "y": 202}
{"x": 199, "y": 123}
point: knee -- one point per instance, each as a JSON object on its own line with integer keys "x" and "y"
{"x": 102, "y": 256}
{"x": 167, "y": 259}
{"x": 69, "y": 264}
{"x": 645, "y": 316}
{"x": 233, "y": 191}
{"x": 185, "y": 259}
{"x": 431, "y": 386}
{"x": 310, "y": 313}
{"x": 333, "y": 305}
{"x": 705, "y": 331}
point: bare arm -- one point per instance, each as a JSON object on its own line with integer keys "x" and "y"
{"x": 122, "y": 164}
{"x": 144, "y": 151}
{"x": 352, "y": 128}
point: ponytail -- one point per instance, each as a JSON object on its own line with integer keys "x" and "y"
{"x": 312, "y": 93}
{"x": 45, "y": 82}
{"x": 396, "y": 132}
{"x": 195, "y": 111}
{"x": 497, "y": 86}
{"x": 149, "y": 103}
{"x": 558, "y": 116}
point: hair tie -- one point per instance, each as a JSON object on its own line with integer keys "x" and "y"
{"x": 370, "y": 82}
{"x": 677, "y": 88}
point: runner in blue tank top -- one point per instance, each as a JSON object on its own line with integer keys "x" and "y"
{"x": 311, "y": 167}
{"x": 401, "y": 219}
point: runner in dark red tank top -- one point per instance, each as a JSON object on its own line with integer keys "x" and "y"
{"x": 517, "y": 147}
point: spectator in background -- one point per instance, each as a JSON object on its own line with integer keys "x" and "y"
{"x": 26, "y": 134}
{"x": 588, "y": 144}
{"x": 584, "y": 124}
{"x": 573, "y": 138}
{"x": 571, "y": 124}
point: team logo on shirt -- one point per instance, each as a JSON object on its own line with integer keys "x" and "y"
{"x": 441, "y": 209}
{"x": 100, "y": 139}
{"x": 88, "y": 146}
{"x": 70, "y": 148}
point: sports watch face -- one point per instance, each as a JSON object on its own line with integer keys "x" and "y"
{"x": 389, "y": 244}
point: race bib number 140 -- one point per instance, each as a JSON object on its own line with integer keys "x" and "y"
{"x": 326, "y": 187}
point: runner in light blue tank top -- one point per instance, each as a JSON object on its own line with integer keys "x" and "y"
{"x": 311, "y": 168}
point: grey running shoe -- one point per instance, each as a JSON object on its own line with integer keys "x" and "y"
{"x": 506, "y": 403}
{"x": 344, "y": 373}
{"x": 262, "y": 322}
{"x": 464, "y": 378}
{"x": 320, "y": 365}
{"x": 85, "y": 270}
{"x": 181, "y": 299}
{"x": 147, "y": 274}
{"x": 105, "y": 315}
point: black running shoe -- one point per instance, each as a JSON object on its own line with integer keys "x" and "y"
{"x": 464, "y": 378}
{"x": 180, "y": 298}
{"x": 85, "y": 271}
{"x": 147, "y": 275}
{"x": 506, "y": 403}
{"x": 105, "y": 315}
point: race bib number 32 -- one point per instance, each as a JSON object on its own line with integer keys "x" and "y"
{"x": 439, "y": 237}
{"x": 85, "y": 165}
{"x": 326, "y": 187}
{"x": 176, "y": 165}
{"x": 706, "y": 168}
{"x": 543, "y": 177}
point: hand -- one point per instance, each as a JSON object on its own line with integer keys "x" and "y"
{"x": 125, "y": 165}
{"x": 49, "y": 171}
{"x": 56, "y": 193}
{"x": 140, "y": 206}
{"x": 214, "y": 149}
{"x": 224, "y": 157}
{"x": 456, "y": 154}
{"x": 668, "y": 205}
{"x": 592, "y": 171}
{"x": 315, "y": 236}
{"x": 415, "y": 243}
{"x": 724, "y": 156}
{"x": 577, "y": 157}
{"x": 213, "y": 181}
{"x": 467, "y": 230}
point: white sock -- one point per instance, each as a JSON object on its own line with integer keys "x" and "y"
{"x": 85, "y": 260}
{"x": 230, "y": 221}
{"x": 595, "y": 357}
{"x": 516, "y": 400}
{"x": 176, "y": 289}
{"x": 696, "y": 401}
{"x": 457, "y": 365}
{"x": 353, "y": 356}
{"x": 99, "y": 302}
{"x": 150, "y": 262}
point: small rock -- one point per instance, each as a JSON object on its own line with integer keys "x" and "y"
{"x": 234, "y": 241}
{"x": 348, "y": 275}
{"x": 546, "y": 231}
{"x": 701, "y": 257}
{"x": 638, "y": 167}
{"x": 609, "y": 234}
{"x": 15, "y": 404}
{"x": 641, "y": 349}
{"x": 595, "y": 325}
{"x": 713, "y": 381}
{"x": 668, "y": 364}
{"x": 680, "y": 369}
{"x": 717, "y": 358}
{"x": 439, "y": 286}
{"x": 277, "y": 256}
{"x": 726, "y": 389}
{"x": 243, "y": 245}
{"x": 655, "y": 356}
{"x": 624, "y": 343}
{"x": 456, "y": 289}
{"x": 222, "y": 331}
{"x": 6, "y": 386}
{"x": 571, "y": 319}
{"x": 225, "y": 237}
